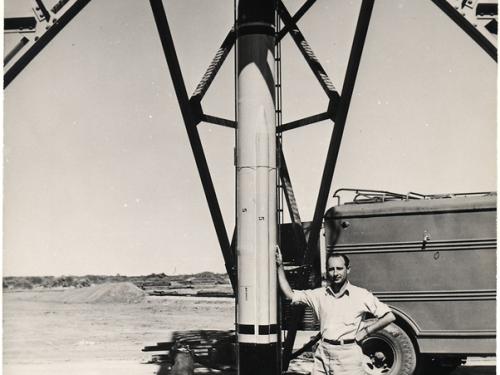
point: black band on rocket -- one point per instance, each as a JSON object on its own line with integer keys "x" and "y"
{"x": 249, "y": 329}
{"x": 255, "y": 29}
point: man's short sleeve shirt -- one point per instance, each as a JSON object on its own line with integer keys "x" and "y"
{"x": 340, "y": 315}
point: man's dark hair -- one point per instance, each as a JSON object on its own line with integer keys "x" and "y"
{"x": 347, "y": 261}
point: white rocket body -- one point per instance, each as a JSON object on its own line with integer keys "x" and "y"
{"x": 256, "y": 191}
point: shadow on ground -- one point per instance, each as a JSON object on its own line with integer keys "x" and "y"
{"x": 475, "y": 370}
{"x": 166, "y": 369}
{"x": 303, "y": 366}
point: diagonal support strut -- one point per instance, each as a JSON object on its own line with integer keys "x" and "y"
{"x": 297, "y": 16}
{"x": 190, "y": 122}
{"x": 40, "y": 43}
{"x": 466, "y": 26}
{"x": 308, "y": 54}
{"x": 331, "y": 159}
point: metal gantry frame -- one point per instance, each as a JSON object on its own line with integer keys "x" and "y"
{"x": 36, "y": 32}
{"x": 337, "y": 111}
{"x": 460, "y": 11}
{"x": 477, "y": 18}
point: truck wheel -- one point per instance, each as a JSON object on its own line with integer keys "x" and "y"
{"x": 389, "y": 352}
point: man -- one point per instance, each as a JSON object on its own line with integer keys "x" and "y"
{"x": 340, "y": 308}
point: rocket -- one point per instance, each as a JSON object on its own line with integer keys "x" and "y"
{"x": 256, "y": 224}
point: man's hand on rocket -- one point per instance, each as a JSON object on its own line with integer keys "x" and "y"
{"x": 279, "y": 257}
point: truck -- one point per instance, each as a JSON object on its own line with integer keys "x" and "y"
{"x": 432, "y": 259}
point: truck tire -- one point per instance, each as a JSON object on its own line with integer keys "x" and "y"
{"x": 389, "y": 351}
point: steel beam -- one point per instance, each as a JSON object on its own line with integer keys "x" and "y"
{"x": 44, "y": 39}
{"x": 218, "y": 121}
{"x": 19, "y": 46}
{"x": 290, "y": 199}
{"x": 59, "y": 5}
{"x": 340, "y": 119}
{"x": 307, "y": 346}
{"x": 466, "y": 26}
{"x": 300, "y": 238}
{"x": 43, "y": 10}
{"x": 308, "y": 54}
{"x": 214, "y": 66}
{"x": 296, "y": 17}
{"x": 293, "y": 209}
{"x": 304, "y": 121}
{"x": 19, "y": 23}
{"x": 190, "y": 121}
{"x": 331, "y": 159}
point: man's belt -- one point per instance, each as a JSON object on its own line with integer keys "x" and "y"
{"x": 339, "y": 342}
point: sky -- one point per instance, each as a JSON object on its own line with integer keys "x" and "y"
{"x": 99, "y": 177}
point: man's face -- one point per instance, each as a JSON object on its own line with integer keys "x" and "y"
{"x": 337, "y": 271}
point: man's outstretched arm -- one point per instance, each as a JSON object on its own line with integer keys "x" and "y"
{"x": 282, "y": 280}
{"x": 377, "y": 326}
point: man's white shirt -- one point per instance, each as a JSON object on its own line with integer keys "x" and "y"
{"x": 340, "y": 314}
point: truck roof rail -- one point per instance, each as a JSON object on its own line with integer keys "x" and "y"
{"x": 363, "y": 196}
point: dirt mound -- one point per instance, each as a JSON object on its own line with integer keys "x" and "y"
{"x": 104, "y": 293}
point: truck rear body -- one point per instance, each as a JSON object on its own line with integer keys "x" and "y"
{"x": 432, "y": 260}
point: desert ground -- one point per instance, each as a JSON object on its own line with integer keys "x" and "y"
{"x": 45, "y": 336}
{"x": 60, "y": 332}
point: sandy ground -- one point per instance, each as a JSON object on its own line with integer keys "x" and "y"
{"x": 87, "y": 368}
{"x": 98, "y": 338}
{"x": 45, "y": 337}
